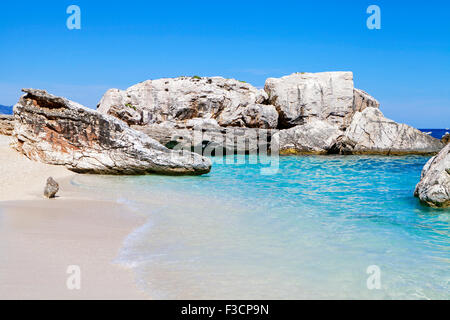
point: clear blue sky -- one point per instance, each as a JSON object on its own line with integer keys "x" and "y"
{"x": 406, "y": 64}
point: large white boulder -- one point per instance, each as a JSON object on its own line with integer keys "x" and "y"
{"x": 206, "y": 138}
{"x": 313, "y": 137}
{"x": 184, "y": 98}
{"x": 315, "y": 113}
{"x": 372, "y": 133}
{"x": 434, "y": 186}
{"x": 57, "y": 131}
{"x": 251, "y": 116}
{"x": 325, "y": 96}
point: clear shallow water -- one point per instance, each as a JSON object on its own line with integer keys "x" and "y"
{"x": 310, "y": 231}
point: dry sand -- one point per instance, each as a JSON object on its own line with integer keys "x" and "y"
{"x": 21, "y": 178}
{"x": 40, "y": 238}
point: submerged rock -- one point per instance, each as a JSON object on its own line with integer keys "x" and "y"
{"x": 6, "y": 124}
{"x": 51, "y": 188}
{"x": 57, "y": 131}
{"x": 230, "y": 102}
{"x": 434, "y": 186}
{"x": 371, "y": 133}
{"x": 326, "y": 96}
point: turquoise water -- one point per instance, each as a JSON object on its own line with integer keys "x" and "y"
{"x": 309, "y": 231}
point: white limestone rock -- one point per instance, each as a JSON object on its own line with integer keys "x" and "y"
{"x": 297, "y": 97}
{"x": 434, "y": 186}
{"x": 181, "y": 99}
{"x": 210, "y": 140}
{"x": 251, "y": 116}
{"x": 57, "y": 131}
{"x": 371, "y": 133}
{"x": 363, "y": 100}
{"x": 313, "y": 137}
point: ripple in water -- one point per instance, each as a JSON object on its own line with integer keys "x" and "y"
{"x": 310, "y": 231}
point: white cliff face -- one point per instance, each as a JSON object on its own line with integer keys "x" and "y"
{"x": 57, "y": 131}
{"x": 184, "y": 98}
{"x": 326, "y": 96}
{"x": 371, "y": 133}
{"x": 434, "y": 186}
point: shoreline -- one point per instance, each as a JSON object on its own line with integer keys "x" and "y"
{"x": 41, "y": 238}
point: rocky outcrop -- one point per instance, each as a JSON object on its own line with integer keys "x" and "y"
{"x": 6, "y": 125}
{"x": 315, "y": 113}
{"x": 57, "y": 131}
{"x": 325, "y": 96}
{"x": 313, "y": 137}
{"x": 252, "y": 116}
{"x": 228, "y": 101}
{"x": 446, "y": 139}
{"x": 363, "y": 100}
{"x": 434, "y": 186}
{"x": 371, "y": 133}
{"x": 51, "y": 188}
{"x": 209, "y": 139}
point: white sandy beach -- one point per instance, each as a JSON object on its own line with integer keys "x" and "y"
{"x": 40, "y": 238}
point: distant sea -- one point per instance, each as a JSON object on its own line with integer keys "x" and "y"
{"x": 437, "y": 133}
{"x": 6, "y": 109}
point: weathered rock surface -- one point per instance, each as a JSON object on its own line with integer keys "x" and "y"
{"x": 51, "y": 188}
{"x": 230, "y": 102}
{"x": 371, "y": 133}
{"x": 434, "y": 186}
{"x": 208, "y": 139}
{"x": 251, "y": 116}
{"x": 446, "y": 139}
{"x": 315, "y": 113}
{"x": 6, "y": 125}
{"x": 363, "y": 100}
{"x": 326, "y": 96}
{"x": 313, "y": 137}
{"x": 57, "y": 131}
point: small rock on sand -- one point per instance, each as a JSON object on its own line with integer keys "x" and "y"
{"x": 51, "y": 188}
